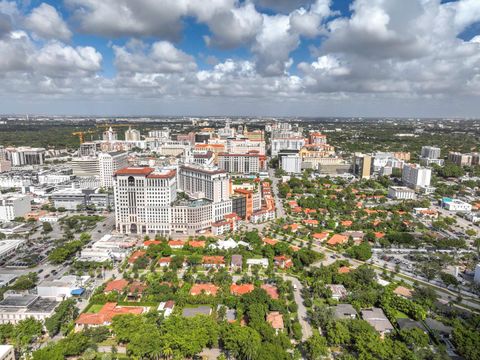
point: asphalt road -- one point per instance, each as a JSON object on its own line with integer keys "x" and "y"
{"x": 302, "y": 310}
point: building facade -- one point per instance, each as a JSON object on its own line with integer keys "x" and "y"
{"x": 108, "y": 164}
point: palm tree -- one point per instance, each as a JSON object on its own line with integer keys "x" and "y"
{"x": 167, "y": 352}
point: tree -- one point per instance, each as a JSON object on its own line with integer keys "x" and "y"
{"x": 414, "y": 338}
{"x": 25, "y": 282}
{"x": 47, "y": 227}
{"x": 448, "y": 279}
{"x": 467, "y": 341}
{"x": 66, "y": 312}
{"x": 361, "y": 252}
{"x": 338, "y": 333}
{"x": 26, "y": 331}
{"x": 242, "y": 342}
{"x": 316, "y": 347}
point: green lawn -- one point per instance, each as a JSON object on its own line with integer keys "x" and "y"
{"x": 400, "y": 315}
{"x": 94, "y": 308}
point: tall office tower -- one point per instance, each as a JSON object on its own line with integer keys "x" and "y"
{"x": 143, "y": 198}
{"x": 109, "y": 164}
{"x": 430, "y": 152}
{"x": 414, "y": 175}
{"x": 362, "y": 165}
{"x": 132, "y": 135}
{"x": 242, "y": 163}
{"x": 211, "y": 184}
{"x": 110, "y": 135}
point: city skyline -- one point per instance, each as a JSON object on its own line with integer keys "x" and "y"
{"x": 251, "y": 58}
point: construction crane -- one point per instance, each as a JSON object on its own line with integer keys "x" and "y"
{"x": 81, "y": 135}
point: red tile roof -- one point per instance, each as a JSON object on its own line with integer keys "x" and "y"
{"x": 207, "y": 289}
{"x": 144, "y": 171}
{"x": 337, "y": 239}
{"x": 215, "y": 260}
{"x": 107, "y": 313}
{"x": 136, "y": 255}
{"x": 270, "y": 241}
{"x": 241, "y": 289}
{"x": 271, "y": 290}
{"x": 275, "y": 319}
{"x": 321, "y": 236}
{"x": 197, "y": 244}
{"x": 116, "y": 285}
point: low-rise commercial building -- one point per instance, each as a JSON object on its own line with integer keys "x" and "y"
{"x": 401, "y": 193}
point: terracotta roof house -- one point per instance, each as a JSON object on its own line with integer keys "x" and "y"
{"x": 213, "y": 261}
{"x": 337, "y": 239}
{"x": 403, "y": 292}
{"x": 207, "y": 289}
{"x": 269, "y": 241}
{"x": 275, "y": 319}
{"x": 379, "y": 235}
{"x": 271, "y": 290}
{"x": 197, "y": 243}
{"x": 176, "y": 244}
{"x": 136, "y": 255}
{"x": 165, "y": 261}
{"x": 117, "y": 285}
{"x": 241, "y": 289}
{"x": 321, "y": 236}
{"x": 282, "y": 262}
{"x": 147, "y": 243}
{"x": 346, "y": 223}
{"x": 105, "y": 315}
{"x": 343, "y": 270}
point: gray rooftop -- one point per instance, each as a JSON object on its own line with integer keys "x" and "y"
{"x": 344, "y": 311}
{"x": 200, "y": 310}
{"x": 377, "y": 318}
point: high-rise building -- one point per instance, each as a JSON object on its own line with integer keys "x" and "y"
{"x": 362, "y": 165}
{"x": 109, "y": 164}
{"x": 143, "y": 198}
{"x": 242, "y": 163}
{"x": 12, "y": 206}
{"x": 199, "y": 182}
{"x": 287, "y": 143}
{"x": 85, "y": 166}
{"x": 430, "y": 152}
{"x": 292, "y": 163}
{"x": 110, "y": 135}
{"x": 459, "y": 158}
{"x": 132, "y": 135}
{"x": 416, "y": 176}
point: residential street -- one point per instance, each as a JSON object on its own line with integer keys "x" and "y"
{"x": 302, "y": 310}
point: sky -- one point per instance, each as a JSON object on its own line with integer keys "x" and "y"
{"x": 401, "y": 58}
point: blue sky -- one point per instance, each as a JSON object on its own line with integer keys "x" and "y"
{"x": 260, "y": 57}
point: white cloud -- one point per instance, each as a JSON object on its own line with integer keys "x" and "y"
{"x": 235, "y": 26}
{"x": 47, "y": 23}
{"x": 160, "y": 57}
